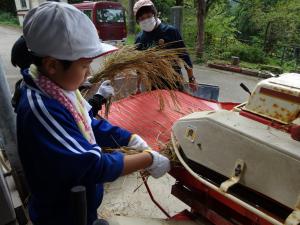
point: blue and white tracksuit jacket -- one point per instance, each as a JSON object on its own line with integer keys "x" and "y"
{"x": 56, "y": 156}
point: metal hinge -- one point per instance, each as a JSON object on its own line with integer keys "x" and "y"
{"x": 236, "y": 176}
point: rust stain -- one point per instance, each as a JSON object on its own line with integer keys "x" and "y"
{"x": 290, "y": 92}
{"x": 278, "y": 103}
{"x": 277, "y": 112}
{"x": 283, "y": 115}
{"x": 278, "y": 116}
{"x": 280, "y": 95}
{"x": 289, "y": 114}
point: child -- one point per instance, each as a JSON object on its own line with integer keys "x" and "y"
{"x": 59, "y": 141}
{"x": 154, "y": 32}
{"x": 22, "y": 58}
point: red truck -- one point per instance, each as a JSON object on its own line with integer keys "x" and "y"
{"x": 109, "y": 19}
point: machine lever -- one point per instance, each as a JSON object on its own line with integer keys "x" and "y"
{"x": 236, "y": 176}
{"x": 245, "y": 88}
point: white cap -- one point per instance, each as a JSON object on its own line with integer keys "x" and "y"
{"x": 141, "y": 3}
{"x": 63, "y": 32}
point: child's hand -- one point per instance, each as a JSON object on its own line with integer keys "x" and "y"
{"x": 137, "y": 143}
{"x": 160, "y": 166}
{"x": 106, "y": 90}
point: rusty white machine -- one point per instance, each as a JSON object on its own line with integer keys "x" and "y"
{"x": 241, "y": 165}
{"x": 249, "y": 155}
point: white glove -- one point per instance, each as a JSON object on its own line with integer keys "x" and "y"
{"x": 137, "y": 143}
{"x": 160, "y": 166}
{"x": 106, "y": 90}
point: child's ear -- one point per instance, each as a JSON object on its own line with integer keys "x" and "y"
{"x": 50, "y": 65}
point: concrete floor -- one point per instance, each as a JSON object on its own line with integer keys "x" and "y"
{"x": 229, "y": 83}
{"x": 120, "y": 198}
{"x": 120, "y": 220}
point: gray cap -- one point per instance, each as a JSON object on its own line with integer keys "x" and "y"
{"x": 63, "y": 32}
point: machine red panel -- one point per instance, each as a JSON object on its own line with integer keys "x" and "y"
{"x": 141, "y": 113}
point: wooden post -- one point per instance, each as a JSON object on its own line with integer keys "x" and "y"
{"x": 177, "y": 17}
{"x": 131, "y": 17}
{"x": 201, "y": 26}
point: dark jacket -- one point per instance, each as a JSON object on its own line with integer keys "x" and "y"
{"x": 165, "y": 32}
{"x": 56, "y": 156}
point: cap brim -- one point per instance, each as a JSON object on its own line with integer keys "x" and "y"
{"x": 103, "y": 50}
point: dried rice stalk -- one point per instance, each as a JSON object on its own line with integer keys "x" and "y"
{"x": 167, "y": 151}
{"x": 154, "y": 66}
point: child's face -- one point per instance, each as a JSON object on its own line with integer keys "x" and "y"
{"x": 145, "y": 16}
{"x": 68, "y": 79}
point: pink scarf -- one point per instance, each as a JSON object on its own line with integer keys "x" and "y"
{"x": 57, "y": 93}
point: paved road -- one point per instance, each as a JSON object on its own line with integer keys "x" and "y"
{"x": 229, "y": 83}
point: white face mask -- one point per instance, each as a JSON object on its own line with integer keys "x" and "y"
{"x": 148, "y": 25}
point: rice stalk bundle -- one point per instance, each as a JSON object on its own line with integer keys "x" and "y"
{"x": 154, "y": 67}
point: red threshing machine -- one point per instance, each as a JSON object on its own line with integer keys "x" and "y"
{"x": 240, "y": 163}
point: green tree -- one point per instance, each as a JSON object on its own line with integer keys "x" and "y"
{"x": 8, "y": 6}
{"x": 163, "y": 8}
{"x": 203, "y": 7}
{"x": 282, "y": 24}
{"x": 271, "y": 21}
{"x": 219, "y": 23}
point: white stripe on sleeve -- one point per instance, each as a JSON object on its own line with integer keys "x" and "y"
{"x": 48, "y": 127}
{"x": 59, "y": 127}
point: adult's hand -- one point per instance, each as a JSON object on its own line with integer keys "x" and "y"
{"x": 192, "y": 83}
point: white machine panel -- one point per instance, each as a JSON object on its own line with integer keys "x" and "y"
{"x": 218, "y": 139}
